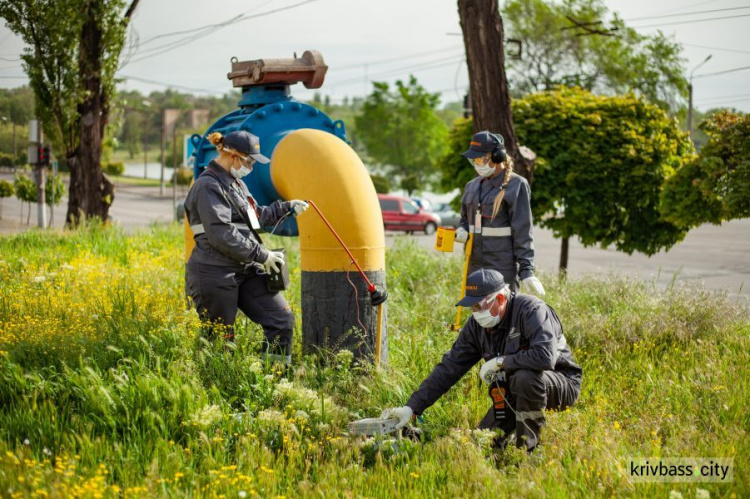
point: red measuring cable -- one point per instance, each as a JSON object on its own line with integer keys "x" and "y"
{"x": 370, "y": 286}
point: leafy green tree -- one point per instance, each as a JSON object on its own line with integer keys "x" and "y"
{"x": 6, "y": 190}
{"x": 16, "y": 109}
{"x": 25, "y": 191}
{"x": 556, "y": 52}
{"x": 715, "y": 187}
{"x": 72, "y": 53}
{"x": 455, "y": 171}
{"x": 381, "y": 183}
{"x": 17, "y": 104}
{"x": 605, "y": 162}
{"x": 401, "y": 131}
{"x": 54, "y": 188}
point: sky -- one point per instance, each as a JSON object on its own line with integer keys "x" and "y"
{"x": 384, "y": 40}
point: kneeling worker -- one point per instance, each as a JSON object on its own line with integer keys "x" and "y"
{"x": 528, "y": 365}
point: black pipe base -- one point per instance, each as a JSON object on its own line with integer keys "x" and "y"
{"x": 330, "y": 317}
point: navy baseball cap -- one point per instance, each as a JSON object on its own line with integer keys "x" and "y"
{"x": 483, "y": 143}
{"x": 245, "y": 143}
{"x": 480, "y": 284}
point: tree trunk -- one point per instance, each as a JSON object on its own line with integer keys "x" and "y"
{"x": 91, "y": 193}
{"x": 483, "y": 33}
{"x": 564, "y": 257}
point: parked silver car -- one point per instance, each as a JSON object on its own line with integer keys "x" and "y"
{"x": 448, "y": 216}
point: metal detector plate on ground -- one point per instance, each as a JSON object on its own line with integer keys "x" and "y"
{"x": 373, "y": 426}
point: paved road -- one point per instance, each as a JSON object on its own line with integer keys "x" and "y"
{"x": 134, "y": 206}
{"x": 719, "y": 256}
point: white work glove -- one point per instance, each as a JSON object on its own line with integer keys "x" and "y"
{"x": 298, "y": 207}
{"x": 274, "y": 261}
{"x": 403, "y": 414}
{"x": 533, "y": 285}
{"x": 461, "y": 235}
{"x": 489, "y": 369}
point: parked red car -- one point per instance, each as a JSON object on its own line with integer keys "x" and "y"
{"x": 400, "y": 213}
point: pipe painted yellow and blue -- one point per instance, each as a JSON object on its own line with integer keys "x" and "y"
{"x": 316, "y": 165}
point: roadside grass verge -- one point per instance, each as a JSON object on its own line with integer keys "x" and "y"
{"x": 106, "y": 388}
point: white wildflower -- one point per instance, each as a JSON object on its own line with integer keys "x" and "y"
{"x": 207, "y": 416}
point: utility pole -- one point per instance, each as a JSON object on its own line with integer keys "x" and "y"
{"x": 145, "y": 146}
{"x": 163, "y": 147}
{"x": 35, "y": 137}
{"x": 174, "y": 166}
{"x": 690, "y": 96}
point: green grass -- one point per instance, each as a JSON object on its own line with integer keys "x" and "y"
{"x": 102, "y": 372}
{"x": 145, "y": 182}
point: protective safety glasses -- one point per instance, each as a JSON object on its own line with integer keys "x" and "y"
{"x": 480, "y": 161}
{"x": 485, "y": 304}
{"x": 249, "y": 160}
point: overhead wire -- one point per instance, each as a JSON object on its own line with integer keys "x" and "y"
{"x": 733, "y": 70}
{"x": 717, "y": 48}
{"x": 212, "y": 28}
{"x": 445, "y": 61}
{"x": 169, "y": 85}
{"x": 647, "y": 18}
{"x": 692, "y": 21}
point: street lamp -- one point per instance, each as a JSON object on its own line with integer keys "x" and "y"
{"x": 690, "y": 96}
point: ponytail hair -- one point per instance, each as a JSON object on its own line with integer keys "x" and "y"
{"x": 216, "y": 139}
{"x": 499, "y": 198}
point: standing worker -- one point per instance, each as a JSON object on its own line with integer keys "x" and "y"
{"x": 229, "y": 266}
{"x": 528, "y": 364}
{"x": 496, "y": 209}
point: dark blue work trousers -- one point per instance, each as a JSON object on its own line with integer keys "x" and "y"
{"x": 218, "y": 292}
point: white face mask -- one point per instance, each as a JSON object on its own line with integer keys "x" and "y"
{"x": 484, "y": 171}
{"x": 241, "y": 171}
{"x": 485, "y": 319}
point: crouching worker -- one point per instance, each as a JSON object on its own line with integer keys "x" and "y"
{"x": 229, "y": 266}
{"x": 528, "y": 366}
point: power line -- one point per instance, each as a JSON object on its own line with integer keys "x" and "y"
{"x": 717, "y": 48}
{"x": 723, "y": 97}
{"x": 690, "y": 22}
{"x": 212, "y": 28}
{"x": 403, "y": 70}
{"x": 733, "y": 70}
{"x": 200, "y": 28}
{"x": 396, "y": 59}
{"x": 169, "y": 85}
{"x": 685, "y": 14}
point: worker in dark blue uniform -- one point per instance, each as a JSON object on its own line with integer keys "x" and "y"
{"x": 229, "y": 266}
{"x": 528, "y": 364}
{"x": 496, "y": 209}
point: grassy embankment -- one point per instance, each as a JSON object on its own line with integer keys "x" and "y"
{"x": 105, "y": 390}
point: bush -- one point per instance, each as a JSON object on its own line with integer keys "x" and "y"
{"x": 22, "y": 159}
{"x": 6, "y": 159}
{"x": 183, "y": 175}
{"x": 382, "y": 184}
{"x": 114, "y": 168}
{"x": 25, "y": 188}
{"x": 6, "y": 189}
